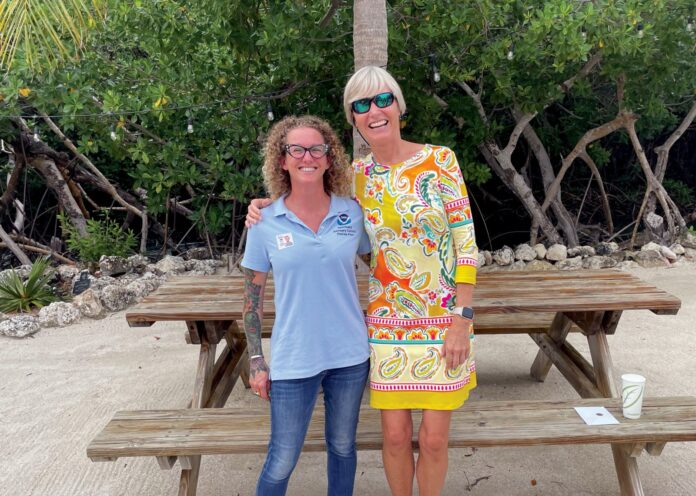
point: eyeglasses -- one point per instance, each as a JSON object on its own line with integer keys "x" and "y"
{"x": 382, "y": 100}
{"x": 298, "y": 151}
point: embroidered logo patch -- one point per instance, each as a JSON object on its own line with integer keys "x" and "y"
{"x": 343, "y": 219}
{"x": 284, "y": 240}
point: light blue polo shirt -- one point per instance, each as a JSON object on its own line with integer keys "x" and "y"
{"x": 319, "y": 324}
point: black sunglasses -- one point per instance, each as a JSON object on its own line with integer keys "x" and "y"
{"x": 382, "y": 100}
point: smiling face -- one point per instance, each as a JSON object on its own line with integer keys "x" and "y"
{"x": 379, "y": 125}
{"x": 306, "y": 170}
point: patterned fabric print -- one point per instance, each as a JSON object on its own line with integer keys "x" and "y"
{"x": 418, "y": 217}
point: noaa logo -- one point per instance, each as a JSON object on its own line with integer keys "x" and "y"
{"x": 343, "y": 219}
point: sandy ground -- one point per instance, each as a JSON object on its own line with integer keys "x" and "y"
{"x": 59, "y": 388}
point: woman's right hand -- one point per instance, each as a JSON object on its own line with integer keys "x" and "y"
{"x": 254, "y": 211}
{"x": 259, "y": 377}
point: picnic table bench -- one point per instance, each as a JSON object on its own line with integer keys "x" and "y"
{"x": 545, "y": 305}
{"x": 171, "y": 434}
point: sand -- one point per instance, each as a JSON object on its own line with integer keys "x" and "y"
{"x": 60, "y": 387}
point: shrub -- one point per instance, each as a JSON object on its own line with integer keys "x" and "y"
{"x": 104, "y": 237}
{"x": 20, "y": 296}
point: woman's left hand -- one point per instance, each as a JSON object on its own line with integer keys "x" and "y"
{"x": 457, "y": 344}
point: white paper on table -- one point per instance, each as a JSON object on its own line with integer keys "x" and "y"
{"x": 596, "y": 415}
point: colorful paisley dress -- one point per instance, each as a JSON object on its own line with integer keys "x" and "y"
{"x": 418, "y": 218}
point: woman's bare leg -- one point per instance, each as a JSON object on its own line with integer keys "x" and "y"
{"x": 433, "y": 436}
{"x": 397, "y": 451}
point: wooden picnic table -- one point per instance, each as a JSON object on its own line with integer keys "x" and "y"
{"x": 545, "y": 305}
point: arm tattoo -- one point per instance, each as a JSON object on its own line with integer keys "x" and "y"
{"x": 253, "y": 294}
{"x": 257, "y": 365}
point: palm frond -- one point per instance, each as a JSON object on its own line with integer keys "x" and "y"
{"x": 45, "y": 32}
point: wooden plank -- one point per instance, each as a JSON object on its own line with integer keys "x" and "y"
{"x": 634, "y": 450}
{"x": 220, "y": 297}
{"x": 579, "y": 361}
{"x": 565, "y": 288}
{"x": 188, "y": 481}
{"x": 626, "y": 466}
{"x": 194, "y": 332}
{"x": 231, "y": 308}
{"x": 204, "y": 374}
{"x": 654, "y": 449}
{"x": 603, "y": 366}
{"x": 166, "y": 462}
{"x": 477, "y": 424}
{"x": 573, "y": 374}
{"x": 560, "y": 326}
{"x": 236, "y": 337}
{"x": 592, "y": 322}
{"x": 215, "y": 330}
{"x": 227, "y": 377}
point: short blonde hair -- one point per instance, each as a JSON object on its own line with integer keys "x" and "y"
{"x": 338, "y": 178}
{"x": 367, "y": 82}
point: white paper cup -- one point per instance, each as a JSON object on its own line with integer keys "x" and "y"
{"x": 632, "y": 391}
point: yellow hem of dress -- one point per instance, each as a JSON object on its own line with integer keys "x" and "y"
{"x": 416, "y": 400}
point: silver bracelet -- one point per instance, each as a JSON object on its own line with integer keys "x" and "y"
{"x": 255, "y": 356}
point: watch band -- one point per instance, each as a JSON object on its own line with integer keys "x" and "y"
{"x": 466, "y": 312}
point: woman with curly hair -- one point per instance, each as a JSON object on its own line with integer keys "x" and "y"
{"x": 309, "y": 237}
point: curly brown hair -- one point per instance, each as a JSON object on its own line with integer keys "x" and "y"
{"x": 337, "y": 179}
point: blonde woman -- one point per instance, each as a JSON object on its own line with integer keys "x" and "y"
{"x": 309, "y": 237}
{"x": 424, "y": 257}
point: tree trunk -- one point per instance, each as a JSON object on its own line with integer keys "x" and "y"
{"x": 675, "y": 221}
{"x": 85, "y": 177}
{"x": 564, "y": 218}
{"x": 7, "y": 241}
{"x": 663, "y": 157}
{"x": 370, "y": 45}
{"x": 501, "y": 163}
{"x": 55, "y": 181}
{"x": 512, "y": 179}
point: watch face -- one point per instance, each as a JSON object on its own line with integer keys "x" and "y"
{"x": 468, "y": 312}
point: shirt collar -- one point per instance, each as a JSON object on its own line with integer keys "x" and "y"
{"x": 278, "y": 207}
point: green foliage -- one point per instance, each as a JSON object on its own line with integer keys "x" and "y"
{"x": 156, "y": 64}
{"x": 679, "y": 191}
{"x": 104, "y": 237}
{"x": 17, "y": 295}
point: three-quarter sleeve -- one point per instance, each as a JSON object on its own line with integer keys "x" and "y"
{"x": 456, "y": 203}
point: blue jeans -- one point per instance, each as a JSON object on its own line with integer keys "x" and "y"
{"x": 292, "y": 403}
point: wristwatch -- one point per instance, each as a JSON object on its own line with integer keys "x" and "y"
{"x": 466, "y": 312}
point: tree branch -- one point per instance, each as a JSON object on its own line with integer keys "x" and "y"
{"x": 566, "y": 85}
{"x": 663, "y": 150}
{"x": 9, "y": 243}
{"x": 521, "y": 124}
{"x": 330, "y": 13}
{"x": 88, "y": 163}
{"x": 594, "y": 134}
{"x": 585, "y": 157}
{"x": 32, "y": 245}
{"x": 477, "y": 101}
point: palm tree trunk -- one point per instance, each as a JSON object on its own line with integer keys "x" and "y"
{"x": 370, "y": 45}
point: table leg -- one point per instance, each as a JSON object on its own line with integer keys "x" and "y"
{"x": 560, "y": 326}
{"x": 626, "y": 467}
{"x": 239, "y": 339}
{"x": 202, "y": 390}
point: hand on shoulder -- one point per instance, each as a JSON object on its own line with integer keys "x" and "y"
{"x": 254, "y": 211}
